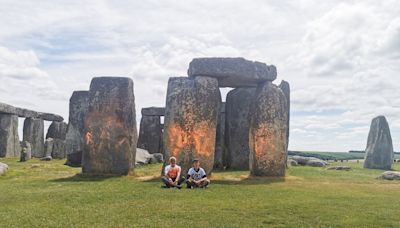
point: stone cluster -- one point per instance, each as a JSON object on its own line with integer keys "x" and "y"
{"x": 249, "y": 132}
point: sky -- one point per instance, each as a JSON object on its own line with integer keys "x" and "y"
{"x": 341, "y": 58}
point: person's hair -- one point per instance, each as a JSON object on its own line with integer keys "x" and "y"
{"x": 172, "y": 159}
{"x": 195, "y": 160}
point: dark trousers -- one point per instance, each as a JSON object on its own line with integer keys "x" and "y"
{"x": 190, "y": 183}
{"x": 167, "y": 182}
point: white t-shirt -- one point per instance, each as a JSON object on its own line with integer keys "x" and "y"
{"x": 172, "y": 172}
{"x": 197, "y": 175}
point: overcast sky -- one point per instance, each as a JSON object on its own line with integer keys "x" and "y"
{"x": 342, "y": 58}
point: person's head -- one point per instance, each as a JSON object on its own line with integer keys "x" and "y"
{"x": 172, "y": 161}
{"x": 196, "y": 163}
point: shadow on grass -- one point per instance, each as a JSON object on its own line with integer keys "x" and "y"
{"x": 83, "y": 178}
{"x": 243, "y": 181}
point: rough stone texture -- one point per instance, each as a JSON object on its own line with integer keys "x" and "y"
{"x": 47, "y": 158}
{"x": 110, "y": 127}
{"x": 390, "y": 175}
{"x": 3, "y": 169}
{"x": 344, "y": 168}
{"x": 267, "y": 137}
{"x": 190, "y": 122}
{"x": 153, "y": 111}
{"x": 57, "y": 130}
{"x": 309, "y": 161}
{"x": 48, "y": 147}
{"x": 78, "y": 107}
{"x": 74, "y": 159}
{"x": 238, "y": 103}
{"x": 21, "y": 112}
{"x": 58, "y": 151}
{"x": 379, "y": 153}
{"x": 285, "y": 87}
{"x": 26, "y": 151}
{"x": 157, "y": 158}
{"x": 34, "y": 134}
{"x": 232, "y": 72}
{"x": 9, "y": 139}
{"x": 143, "y": 157}
{"x": 150, "y": 134}
{"x": 291, "y": 162}
{"x": 220, "y": 139}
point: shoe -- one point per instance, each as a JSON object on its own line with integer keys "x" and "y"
{"x": 164, "y": 186}
{"x": 178, "y": 186}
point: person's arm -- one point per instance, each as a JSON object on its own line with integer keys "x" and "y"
{"x": 204, "y": 176}
{"x": 178, "y": 176}
{"x": 166, "y": 172}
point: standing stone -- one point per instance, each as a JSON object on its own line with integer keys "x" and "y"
{"x": 78, "y": 107}
{"x": 58, "y": 151}
{"x": 9, "y": 139}
{"x": 238, "y": 103}
{"x": 190, "y": 122}
{"x": 48, "y": 147}
{"x": 267, "y": 138}
{"x": 26, "y": 151}
{"x": 150, "y": 134}
{"x": 285, "y": 87}
{"x": 34, "y": 134}
{"x": 220, "y": 139}
{"x": 232, "y": 72}
{"x": 379, "y": 153}
{"x": 57, "y": 130}
{"x": 110, "y": 127}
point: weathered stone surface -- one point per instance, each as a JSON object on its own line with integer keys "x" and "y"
{"x": 157, "y": 158}
{"x": 390, "y": 175}
{"x": 220, "y": 140}
{"x": 78, "y": 107}
{"x": 57, "y": 130}
{"x": 47, "y": 158}
{"x": 74, "y": 159}
{"x": 291, "y": 162}
{"x": 232, "y": 72}
{"x": 110, "y": 127}
{"x": 153, "y": 111}
{"x": 285, "y": 87}
{"x": 26, "y": 151}
{"x": 3, "y": 169}
{"x": 344, "y": 168}
{"x": 143, "y": 157}
{"x": 58, "y": 151}
{"x": 379, "y": 153}
{"x": 190, "y": 120}
{"x": 48, "y": 147}
{"x": 267, "y": 138}
{"x": 9, "y": 139}
{"x": 21, "y": 112}
{"x": 150, "y": 134}
{"x": 309, "y": 161}
{"x": 238, "y": 103}
{"x": 34, "y": 134}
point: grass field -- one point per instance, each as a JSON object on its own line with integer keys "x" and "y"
{"x": 49, "y": 194}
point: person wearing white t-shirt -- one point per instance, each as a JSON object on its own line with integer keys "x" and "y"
{"x": 197, "y": 177}
{"x": 172, "y": 175}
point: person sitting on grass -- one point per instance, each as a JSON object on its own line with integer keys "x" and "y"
{"x": 197, "y": 177}
{"x": 172, "y": 175}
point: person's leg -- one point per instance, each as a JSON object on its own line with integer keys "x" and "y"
{"x": 190, "y": 184}
{"x": 166, "y": 181}
{"x": 181, "y": 180}
{"x": 205, "y": 183}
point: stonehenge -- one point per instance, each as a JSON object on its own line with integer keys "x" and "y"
{"x": 220, "y": 139}
{"x": 190, "y": 121}
{"x": 237, "y": 127}
{"x": 78, "y": 107}
{"x": 379, "y": 152}
{"x": 151, "y": 130}
{"x": 33, "y": 131}
{"x": 232, "y": 72}
{"x": 110, "y": 134}
{"x": 268, "y": 130}
{"x": 34, "y": 134}
{"x": 9, "y": 139}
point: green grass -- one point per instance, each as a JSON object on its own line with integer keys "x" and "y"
{"x": 334, "y": 155}
{"x": 49, "y": 194}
